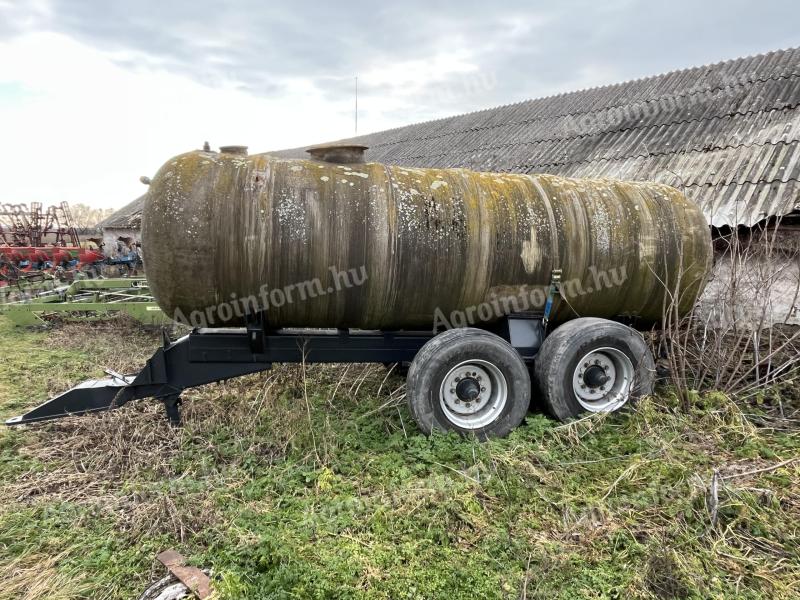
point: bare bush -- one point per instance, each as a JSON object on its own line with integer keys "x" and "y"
{"x": 742, "y": 335}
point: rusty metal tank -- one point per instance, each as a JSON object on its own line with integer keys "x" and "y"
{"x": 222, "y": 227}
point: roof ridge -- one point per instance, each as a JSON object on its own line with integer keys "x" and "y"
{"x": 589, "y": 112}
{"x": 623, "y": 130}
{"x": 127, "y": 212}
{"x": 717, "y": 65}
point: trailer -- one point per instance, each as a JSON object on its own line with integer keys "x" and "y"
{"x": 428, "y": 241}
{"x": 476, "y": 381}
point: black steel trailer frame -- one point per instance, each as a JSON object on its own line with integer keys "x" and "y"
{"x": 209, "y": 355}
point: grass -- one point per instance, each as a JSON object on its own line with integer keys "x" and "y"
{"x": 315, "y": 483}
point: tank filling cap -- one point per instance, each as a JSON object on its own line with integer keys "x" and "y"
{"x": 345, "y": 154}
{"x": 233, "y": 150}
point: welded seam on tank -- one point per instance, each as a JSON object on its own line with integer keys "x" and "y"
{"x": 551, "y": 217}
{"x": 393, "y": 199}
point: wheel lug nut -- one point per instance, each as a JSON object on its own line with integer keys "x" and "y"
{"x": 452, "y": 391}
{"x": 483, "y": 389}
{"x": 586, "y": 365}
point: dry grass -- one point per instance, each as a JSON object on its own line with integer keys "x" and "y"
{"x": 34, "y": 577}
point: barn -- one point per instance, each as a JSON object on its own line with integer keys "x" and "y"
{"x": 123, "y": 229}
{"x": 726, "y": 134}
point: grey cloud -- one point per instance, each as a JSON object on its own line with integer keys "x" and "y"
{"x": 258, "y": 45}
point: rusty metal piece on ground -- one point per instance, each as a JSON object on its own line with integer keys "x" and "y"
{"x": 192, "y": 577}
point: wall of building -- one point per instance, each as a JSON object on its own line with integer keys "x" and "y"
{"x": 755, "y": 283}
{"x": 112, "y": 235}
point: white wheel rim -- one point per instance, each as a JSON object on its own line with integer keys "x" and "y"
{"x": 602, "y": 380}
{"x": 483, "y": 406}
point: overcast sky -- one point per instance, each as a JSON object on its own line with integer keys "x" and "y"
{"x": 95, "y": 93}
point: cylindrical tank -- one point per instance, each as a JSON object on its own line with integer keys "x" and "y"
{"x": 374, "y": 246}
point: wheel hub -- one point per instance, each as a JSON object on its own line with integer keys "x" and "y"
{"x": 595, "y": 376}
{"x": 602, "y": 379}
{"x": 473, "y": 394}
{"x": 468, "y": 389}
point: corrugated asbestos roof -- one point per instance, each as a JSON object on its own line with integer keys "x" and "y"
{"x": 128, "y": 217}
{"x": 728, "y": 134}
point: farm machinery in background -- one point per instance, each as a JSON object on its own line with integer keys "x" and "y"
{"x": 47, "y": 272}
{"x": 39, "y": 246}
{"x": 85, "y": 300}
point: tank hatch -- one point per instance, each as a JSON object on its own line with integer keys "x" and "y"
{"x": 343, "y": 154}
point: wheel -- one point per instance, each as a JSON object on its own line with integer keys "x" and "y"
{"x": 470, "y": 381}
{"x": 592, "y": 365}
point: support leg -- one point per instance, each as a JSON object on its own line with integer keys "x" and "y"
{"x": 173, "y": 410}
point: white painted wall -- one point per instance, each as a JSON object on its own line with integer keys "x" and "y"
{"x": 749, "y": 290}
{"x": 111, "y": 235}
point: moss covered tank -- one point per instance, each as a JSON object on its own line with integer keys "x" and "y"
{"x": 373, "y": 246}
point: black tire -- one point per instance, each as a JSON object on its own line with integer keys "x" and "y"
{"x": 447, "y": 354}
{"x": 556, "y": 362}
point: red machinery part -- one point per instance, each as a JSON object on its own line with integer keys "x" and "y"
{"x": 38, "y": 255}
{"x": 48, "y": 253}
{"x": 14, "y": 254}
{"x": 60, "y": 255}
{"x": 17, "y": 253}
{"x": 87, "y": 257}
